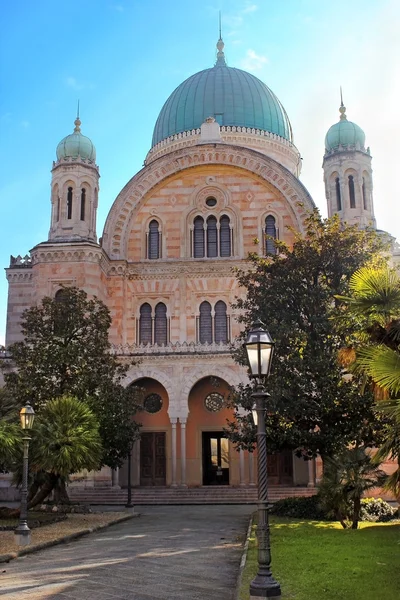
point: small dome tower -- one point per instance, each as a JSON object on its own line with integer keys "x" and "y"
{"x": 74, "y": 189}
{"x": 348, "y": 173}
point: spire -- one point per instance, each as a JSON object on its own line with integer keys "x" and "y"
{"x": 342, "y": 108}
{"x": 220, "y": 47}
{"x": 77, "y": 121}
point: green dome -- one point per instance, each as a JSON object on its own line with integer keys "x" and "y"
{"x": 232, "y": 96}
{"x": 76, "y": 144}
{"x": 344, "y": 133}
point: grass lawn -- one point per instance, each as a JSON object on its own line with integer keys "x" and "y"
{"x": 318, "y": 560}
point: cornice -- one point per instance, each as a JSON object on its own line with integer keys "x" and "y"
{"x": 175, "y": 268}
{"x": 118, "y": 221}
{"x": 19, "y": 275}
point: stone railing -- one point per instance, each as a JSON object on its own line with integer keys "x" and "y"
{"x": 19, "y": 261}
{"x": 172, "y": 348}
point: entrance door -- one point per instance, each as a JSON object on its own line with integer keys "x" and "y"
{"x": 215, "y": 458}
{"x": 280, "y": 468}
{"x": 152, "y": 458}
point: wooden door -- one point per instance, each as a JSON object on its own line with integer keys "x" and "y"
{"x": 152, "y": 458}
{"x": 280, "y": 468}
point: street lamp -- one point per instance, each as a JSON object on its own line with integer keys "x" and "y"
{"x": 260, "y": 348}
{"x": 22, "y": 532}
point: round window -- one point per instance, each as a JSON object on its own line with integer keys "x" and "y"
{"x": 214, "y": 402}
{"x": 152, "y": 403}
{"x": 211, "y": 202}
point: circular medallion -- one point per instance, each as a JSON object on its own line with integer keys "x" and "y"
{"x": 152, "y": 403}
{"x": 214, "y": 402}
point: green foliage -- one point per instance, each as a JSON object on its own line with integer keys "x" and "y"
{"x": 10, "y": 441}
{"x": 376, "y": 510}
{"x": 300, "y": 508}
{"x": 347, "y": 476}
{"x": 312, "y": 408}
{"x": 66, "y": 351}
{"x": 65, "y": 439}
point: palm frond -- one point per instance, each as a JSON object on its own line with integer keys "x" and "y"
{"x": 382, "y": 364}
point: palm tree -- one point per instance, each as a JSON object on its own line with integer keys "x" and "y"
{"x": 10, "y": 437}
{"x": 375, "y": 303}
{"x": 65, "y": 440}
{"x": 347, "y": 476}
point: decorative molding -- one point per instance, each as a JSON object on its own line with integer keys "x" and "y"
{"x": 44, "y": 254}
{"x": 186, "y": 348}
{"x": 17, "y": 262}
{"x": 19, "y": 276}
{"x": 118, "y": 221}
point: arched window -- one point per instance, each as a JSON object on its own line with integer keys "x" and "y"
{"x": 364, "y": 194}
{"x": 198, "y": 237}
{"x": 69, "y": 203}
{"x": 83, "y": 202}
{"x": 270, "y": 230}
{"x": 160, "y": 325}
{"x": 212, "y": 237}
{"x": 145, "y": 324}
{"x": 338, "y": 195}
{"x": 62, "y": 316}
{"x": 352, "y": 194}
{"x": 153, "y": 242}
{"x": 225, "y": 236}
{"x": 58, "y": 208}
{"x": 205, "y": 328}
{"x": 220, "y": 323}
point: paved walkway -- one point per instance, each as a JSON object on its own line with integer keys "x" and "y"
{"x": 170, "y": 552}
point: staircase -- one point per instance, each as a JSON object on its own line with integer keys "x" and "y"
{"x": 200, "y": 495}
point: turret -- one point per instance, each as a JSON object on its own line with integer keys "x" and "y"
{"x": 74, "y": 189}
{"x": 348, "y": 173}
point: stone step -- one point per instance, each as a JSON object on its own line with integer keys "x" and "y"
{"x": 220, "y": 495}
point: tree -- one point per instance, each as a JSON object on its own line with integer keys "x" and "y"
{"x": 373, "y": 304}
{"x": 66, "y": 351}
{"x": 313, "y": 408}
{"x": 347, "y": 476}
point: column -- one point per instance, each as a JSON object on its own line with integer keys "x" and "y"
{"x": 115, "y": 478}
{"x": 311, "y": 473}
{"x": 241, "y": 467}
{"x": 173, "y": 450}
{"x": 183, "y": 451}
{"x": 251, "y": 468}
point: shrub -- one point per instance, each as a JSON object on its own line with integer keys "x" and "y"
{"x": 300, "y": 508}
{"x": 377, "y": 510}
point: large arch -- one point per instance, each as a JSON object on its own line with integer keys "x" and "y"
{"x": 134, "y": 374}
{"x": 118, "y": 221}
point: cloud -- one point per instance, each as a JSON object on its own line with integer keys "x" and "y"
{"x": 253, "y": 61}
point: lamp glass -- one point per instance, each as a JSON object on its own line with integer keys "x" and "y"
{"x": 259, "y": 348}
{"x": 27, "y": 416}
{"x": 255, "y": 416}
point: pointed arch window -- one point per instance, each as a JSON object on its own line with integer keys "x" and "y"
{"x": 58, "y": 208}
{"x": 160, "y": 325}
{"x": 364, "y": 194}
{"x": 205, "y": 327}
{"x": 145, "y": 324}
{"x": 212, "y": 237}
{"x": 225, "y": 246}
{"x": 270, "y": 232}
{"x": 220, "y": 323}
{"x": 198, "y": 237}
{"x": 154, "y": 240}
{"x": 83, "y": 202}
{"x": 69, "y": 203}
{"x": 338, "y": 194}
{"x": 352, "y": 194}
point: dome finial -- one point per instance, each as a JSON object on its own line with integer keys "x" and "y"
{"x": 220, "y": 47}
{"x": 342, "y": 108}
{"x": 77, "y": 121}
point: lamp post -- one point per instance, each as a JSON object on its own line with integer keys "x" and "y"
{"x": 22, "y": 532}
{"x": 260, "y": 348}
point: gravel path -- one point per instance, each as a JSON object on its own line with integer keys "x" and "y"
{"x": 170, "y": 552}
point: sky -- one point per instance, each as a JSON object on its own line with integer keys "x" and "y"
{"x": 123, "y": 58}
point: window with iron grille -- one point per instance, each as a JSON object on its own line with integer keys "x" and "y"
{"x": 205, "y": 328}
{"x": 270, "y": 232}
{"x": 225, "y": 236}
{"x": 212, "y": 237}
{"x": 220, "y": 323}
{"x": 198, "y": 237}
{"x": 160, "y": 325}
{"x": 145, "y": 324}
{"x": 153, "y": 240}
